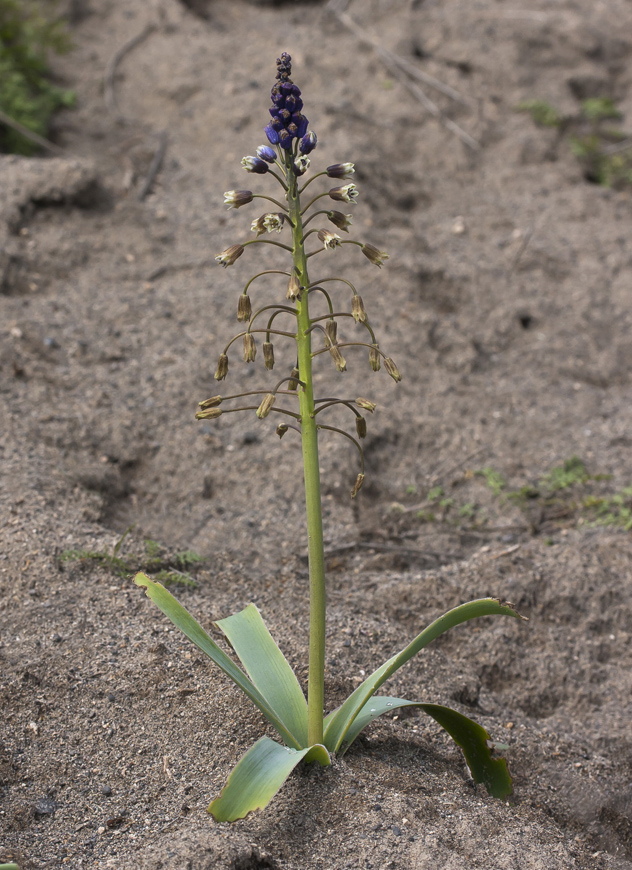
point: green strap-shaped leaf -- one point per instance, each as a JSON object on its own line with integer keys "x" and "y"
{"x": 473, "y": 740}
{"x": 471, "y": 737}
{"x": 183, "y": 620}
{"x": 268, "y": 669}
{"x": 258, "y": 776}
{"x": 338, "y": 723}
{"x": 374, "y": 707}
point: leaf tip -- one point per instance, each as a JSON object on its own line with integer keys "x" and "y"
{"x": 141, "y": 579}
{"x": 510, "y": 606}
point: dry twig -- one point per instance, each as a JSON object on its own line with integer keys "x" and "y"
{"x": 402, "y": 70}
{"x": 29, "y": 134}
{"x": 110, "y": 71}
{"x": 155, "y": 167}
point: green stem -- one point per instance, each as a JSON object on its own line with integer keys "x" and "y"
{"x": 309, "y": 437}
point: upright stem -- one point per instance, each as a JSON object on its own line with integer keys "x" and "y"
{"x": 309, "y": 436}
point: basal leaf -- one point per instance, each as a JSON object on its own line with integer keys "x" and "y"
{"x": 374, "y": 707}
{"x": 268, "y": 668}
{"x": 471, "y": 737}
{"x": 473, "y": 740}
{"x": 338, "y": 723}
{"x": 183, "y": 620}
{"x": 258, "y": 776}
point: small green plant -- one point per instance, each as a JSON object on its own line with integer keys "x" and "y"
{"x": 604, "y": 151}
{"x": 494, "y": 480}
{"x": 164, "y": 567}
{"x": 312, "y": 310}
{"x": 27, "y": 95}
{"x": 542, "y": 113}
{"x": 571, "y": 472}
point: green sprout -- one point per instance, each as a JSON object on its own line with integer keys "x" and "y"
{"x": 309, "y": 315}
{"x": 542, "y": 113}
{"x": 494, "y": 479}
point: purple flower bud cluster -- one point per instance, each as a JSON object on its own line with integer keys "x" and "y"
{"x": 288, "y": 123}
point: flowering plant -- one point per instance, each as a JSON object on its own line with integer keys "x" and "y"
{"x": 267, "y": 679}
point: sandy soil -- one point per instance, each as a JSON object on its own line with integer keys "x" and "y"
{"x": 506, "y": 304}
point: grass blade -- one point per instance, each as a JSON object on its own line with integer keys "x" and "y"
{"x": 339, "y": 722}
{"x": 183, "y": 620}
{"x": 268, "y": 668}
{"x": 258, "y": 776}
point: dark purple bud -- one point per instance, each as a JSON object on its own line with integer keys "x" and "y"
{"x": 308, "y": 143}
{"x": 301, "y": 124}
{"x": 271, "y": 133}
{"x": 278, "y": 99}
{"x": 294, "y": 104}
{"x": 264, "y": 152}
{"x": 285, "y": 140}
{"x": 284, "y": 115}
{"x": 255, "y": 164}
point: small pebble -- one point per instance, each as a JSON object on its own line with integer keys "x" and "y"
{"x": 397, "y": 831}
{"x": 111, "y": 697}
{"x": 106, "y": 790}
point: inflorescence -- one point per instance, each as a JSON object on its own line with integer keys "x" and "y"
{"x": 286, "y": 158}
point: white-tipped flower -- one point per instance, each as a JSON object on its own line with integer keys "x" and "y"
{"x": 340, "y": 220}
{"x": 264, "y": 408}
{"x": 374, "y": 255}
{"x": 301, "y": 164}
{"x": 330, "y": 240}
{"x": 375, "y": 359}
{"x": 357, "y": 485}
{"x": 244, "y": 308}
{"x": 366, "y": 404}
{"x": 213, "y": 402}
{"x": 392, "y": 369}
{"x": 348, "y": 193}
{"x": 357, "y": 309}
{"x": 338, "y": 358}
{"x": 341, "y": 170}
{"x": 222, "y": 367}
{"x": 268, "y": 355}
{"x": 228, "y": 257}
{"x": 250, "y": 348}
{"x": 255, "y": 164}
{"x": 293, "y": 288}
{"x": 237, "y": 198}
{"x": 273, "y": 221}
{"x": 208, "y": 414}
